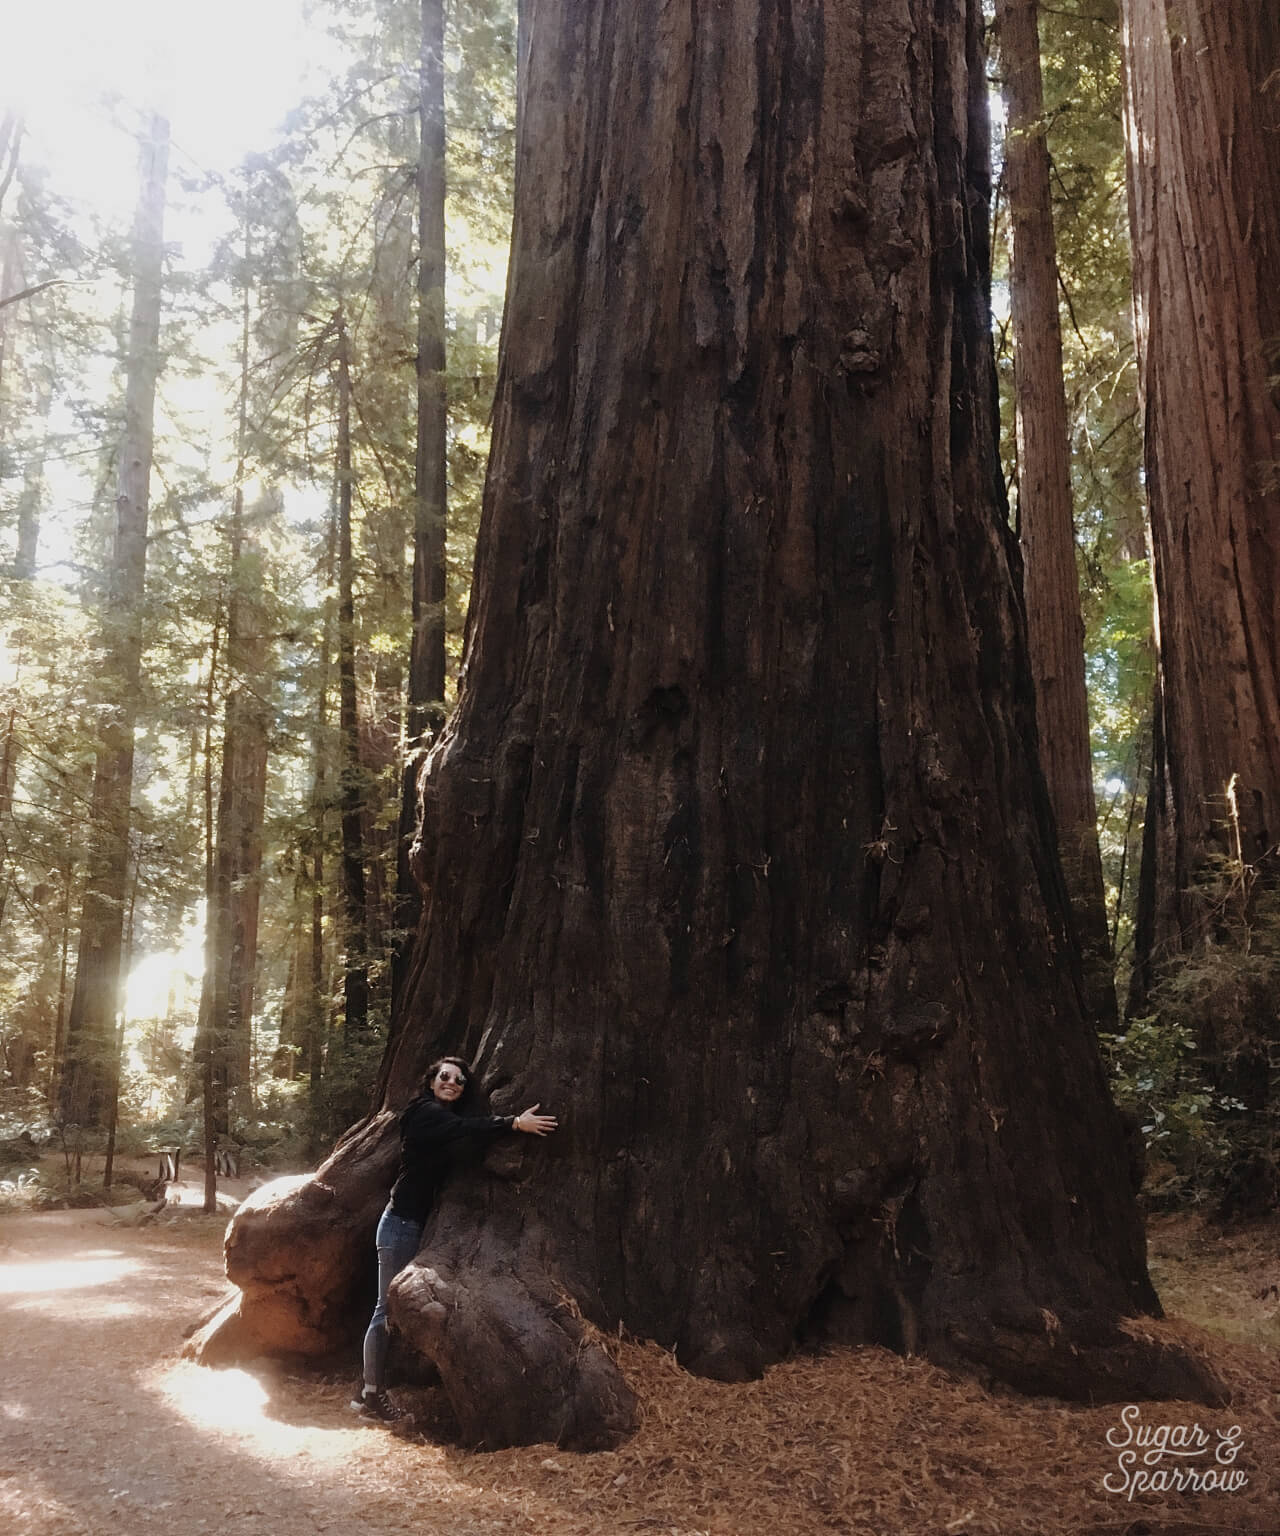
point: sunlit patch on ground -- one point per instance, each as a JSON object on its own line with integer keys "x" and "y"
{"x": 216, "y": 1399}
{"x": 237, "y": 1403}
{"x": 80, "y": 1274}
{"x": 102, "y": 1309}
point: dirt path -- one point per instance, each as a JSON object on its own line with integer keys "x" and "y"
{"x": 104, "y": 1429}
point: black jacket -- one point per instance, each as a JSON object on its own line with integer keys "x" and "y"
{"x": 434, "y": 1140}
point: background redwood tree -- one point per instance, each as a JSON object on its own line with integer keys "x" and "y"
{"x": 1204, "y": 109}
{"x": 427, "y": 659}
{"x": 1204, "y": 174}
{"x": 1045, "y": 521}
{"x": 735, "y": 851}
{"x": 90, "y": 1070}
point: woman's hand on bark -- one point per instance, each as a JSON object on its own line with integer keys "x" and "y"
{"x": 532, "y": 1123}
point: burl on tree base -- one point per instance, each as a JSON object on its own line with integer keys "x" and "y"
{"x": 736, "y": 852}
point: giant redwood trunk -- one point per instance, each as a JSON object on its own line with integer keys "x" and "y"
{"x": 1204, "y": 169}
{"x": 735, "y": 852}
{"x": 1055, "y": 627}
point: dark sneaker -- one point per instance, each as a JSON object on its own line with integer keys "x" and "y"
{"x": 377, "y": 1405}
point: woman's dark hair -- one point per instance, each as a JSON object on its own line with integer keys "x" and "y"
{"x": 452, "y": 1061}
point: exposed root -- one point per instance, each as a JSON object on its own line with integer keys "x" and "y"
{"x": 1137, "y": 1359}
{"x": 518, "y": 1362}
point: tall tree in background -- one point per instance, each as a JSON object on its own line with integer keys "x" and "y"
{"x": 11, "y": 285}
{"x": 427, "y": 668}
{"x": 1080, "y": 48}
{"x": 44, "y": 345}
{"x": 734, "y": 850}
{"x": 386, "y": 536}
{"x": 23, "y": 567}
{"x": 427, "y": 655}
{"x": 226, "y": 1011}
{"x": 33, "y": 474}
{"x": 316, "y": 1014}
{"x": 305, "y": 1015}
{"x": 89, "y": 1073}
{"x": 1054, "y": 623}
{"x": 1204, "y": 136}
{"x": 11, "y": 131}
{"x": 355, "y": 934}
{"x": 1204, "y": 108}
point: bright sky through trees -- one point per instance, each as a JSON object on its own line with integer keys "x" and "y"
{"x": 84, "y": 76}
{"x": 225, "y": 74}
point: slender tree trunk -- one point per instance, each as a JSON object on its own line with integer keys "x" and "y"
{"x": 355, "y": 988}
{"x": 241, "y": 808}
{"x": 24, "y": 569}
{"x": 64, "y": 952}
{"x": 32, "y": 493}
{"x": 291, "y": 1042}
{"x": 91, "y": 1023}
{"x": 386, "y": 538}
{"x": 1050, "y": 581}
{"x": 317, "y": 1005}
{"x": 427, "y": 663}
{"x": 9, "y": 770}
{"x": 210, "y": 1049}
{"x": 233, "y": 912}
{"x": 242, "y": 801}
{"x": 11, "y": 281}
{"x": 250, "y": 725}
{"x": 735, "y": 850}
{"x": 12, "y": 128}
{"x": 113, "y": 1110}
{"x": 1204, "y": 125}
{"x": 318, "y": 1012}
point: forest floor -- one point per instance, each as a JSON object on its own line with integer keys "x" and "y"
{"x": 104, "y": 1428}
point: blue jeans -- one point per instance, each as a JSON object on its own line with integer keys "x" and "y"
{"x": 397, "y": 1242}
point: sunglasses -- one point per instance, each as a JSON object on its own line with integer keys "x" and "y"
{"x": 445, "y": 1076}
